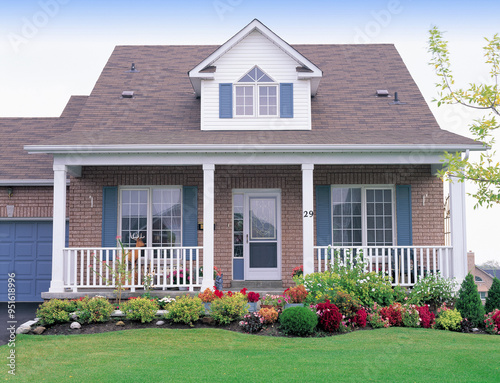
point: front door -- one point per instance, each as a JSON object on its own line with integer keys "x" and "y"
{"x": 261, "y": 236}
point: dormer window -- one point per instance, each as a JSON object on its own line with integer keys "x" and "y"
{"x": 256, "y": 92}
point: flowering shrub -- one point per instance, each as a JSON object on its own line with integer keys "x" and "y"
{"x": 253, "y": 297}
{"x": 448, "y": 319}
{"x": 318, "y": 285}
{"x": 492, "y": 322}
{"x": 298, "y": 320}
{"x": 229, "y": 308}
{"x": 277, "y": 301}
{"x": 165, "y": 301}
{"x": 360, "y": 318}
{"x": 393, "y": 313}
{"x": 433, "y": 289}
{"x": 400, "y": 294}
{"x": 269, "y": 315}
{"x": 96, "y": 309}
{"x": 329, "y": 316}
{"x": 142, "y": 309}
{"x": 207, "y": 296}
{"x": 346, "y": 303}
{"x": 426, "y": 316}
{"x": 298, "y": 271}
{"x": 411, "y": 316}
{"x": 185, "y": 310}
{"x": 55, "y": 311}
{"x": 252, "y": 322}
{"x": 297, "y": 294}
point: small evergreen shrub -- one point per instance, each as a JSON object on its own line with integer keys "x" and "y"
{"x": 300, "y": 321}
{"x": 185, "y": 310}
{"x": 229, "y": 308}
{"x": 270, "y": 315}
{"x": 55, "y": 311}
{"x": 449, "y": 320}
{"x": 329, "y": 316}
{"x": 493, "y": 298}
{"x": 252, "y": 322}
{"x": 96, "y": 309}
{"x": 142, "y": 309}
{"x": 426, "y": 316}
{"x": 469, "y": 303}
{"x": 492, "y": 322}
{"x": 433, "y": 290}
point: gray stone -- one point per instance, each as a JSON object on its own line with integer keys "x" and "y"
{"x": 160, "y": 323}
{"x": 74, "y": 316}
{"x": 39, "y": 330}
{"x": 475, "y": 329}
{"x": 23, "y": 330}
{"x": 120, "y": 323}
{"x": 75, "y": 326}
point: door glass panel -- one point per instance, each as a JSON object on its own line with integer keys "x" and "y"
{"x": 379, "y": 217}
{"x": 262, "y": 218}
{"x": 166, "y": 217}
{"x": 134, "y": 215}
{"x": 263, "y": 255}
{"x": 238, "y": 207}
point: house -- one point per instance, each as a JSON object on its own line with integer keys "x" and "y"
{"x": 482, "y": 278}
{"x": 254, "y": 156}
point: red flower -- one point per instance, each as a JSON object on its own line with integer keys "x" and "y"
{"x": 244, "y": 291}
{"x": 253, "y": 297}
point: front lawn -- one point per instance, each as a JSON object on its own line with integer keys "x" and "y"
{"x": 212, "y": 355}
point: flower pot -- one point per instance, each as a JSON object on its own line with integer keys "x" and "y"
{"x": 183, "y": 288}
{"x": 207, "y": 307}
{"x": 252, "y": 306}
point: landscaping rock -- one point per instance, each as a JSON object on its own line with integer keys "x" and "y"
{"x": 75, "y": 326}
{"x": 475, "y": 329}
{"x": 22, "y": 330}
{"x": 120, "y": 323}
{"x": 39, "y": 330}
{"x": 160, "y": 323}
{"x": 208, "y": 320}
{"x": 74, "y": 316}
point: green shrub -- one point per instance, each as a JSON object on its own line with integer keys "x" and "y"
{"x": 400, "y": 294}
{"x": 493, "y": 298}
{"x": 229, "y": 308}
{"x": 55, "y": 311}
{"x": 449, "y": 320}
{"x": 142, "y": 309}
{"x": 300, "y": 321}
{"x": 469, "y": 302}
{"x": 185, "y": 310}
{"x": 321, "y": 286}
{"x": 346, "y": 303}
{"x": 96, "y": 309}
{"x": 433, "y": 290}
{"x": 411, "y": 316}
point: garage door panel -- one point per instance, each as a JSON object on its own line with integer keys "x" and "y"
{"x": 6, "y": 231}
{"x": 44, "y": 250}
{"x": 24, "y": 288}
{"x": 41, "y": 286}
{"x": 25, "y": 231}
{"x": 6, "y": 250}
{"x": 43, "y": 269}
{"x": 44, "y": 232}
{"x": 25, "y": 250}
{"x": 24, "y": 268}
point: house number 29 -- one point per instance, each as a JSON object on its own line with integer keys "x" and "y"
{"x": 309, "y": 213}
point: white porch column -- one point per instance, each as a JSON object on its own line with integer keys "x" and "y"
{"x": 208, "y": 226}
{"x": 59, "y": 229}
{"x": 308, "y": 218}
{"x": 458, "y": 229}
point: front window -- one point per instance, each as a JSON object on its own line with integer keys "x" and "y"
{"x": 362, "y": 216}
{"x": 153, "y": 213}
{"x": 254, "y": 94}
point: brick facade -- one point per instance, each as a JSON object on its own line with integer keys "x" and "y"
{"x": 85, "y": 222}
{"x": 28, "y": 201}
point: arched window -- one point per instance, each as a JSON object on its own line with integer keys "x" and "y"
{"x": 256, "y": 94}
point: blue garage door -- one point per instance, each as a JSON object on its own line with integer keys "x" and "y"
{"x": 26, "y": 250}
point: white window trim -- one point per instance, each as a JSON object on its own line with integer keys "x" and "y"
{"x": 363, "y": 188}
{"x": 256, "y": 103}
{"x": 149, "y": 237}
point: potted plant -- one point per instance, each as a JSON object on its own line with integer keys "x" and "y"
{"x": 207, "y": 297}
{"x": 295, "y": 296}
{"x": 252, "y": 298}
{"x": 276, "y": 301}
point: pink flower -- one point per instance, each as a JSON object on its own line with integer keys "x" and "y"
{"x": 118, "y": 237}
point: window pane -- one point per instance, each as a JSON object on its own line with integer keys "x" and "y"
{"x": 134, "y": 215}
{"x": 346, "y": 224}
{"x": 379, "y": 217}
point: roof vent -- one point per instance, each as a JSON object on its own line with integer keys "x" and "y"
{"x": 396, "y": 100}
{"x": 128, "y": 94}
{"x": 132, "y": 69}
{"x": 382, "y": 93}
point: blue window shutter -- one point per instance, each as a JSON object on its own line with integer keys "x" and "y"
{"x": 286, "y": 100}
{"x": 323, "y": 215}
{"x": 109, "y": 215}
{"x": 403, "y": 215}
{"x": 190, "y": 216}
{"x": 225, "y": 100}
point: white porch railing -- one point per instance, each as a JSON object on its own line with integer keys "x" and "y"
{"x": 168, "y": 267}
{"x": 405, "y": 264}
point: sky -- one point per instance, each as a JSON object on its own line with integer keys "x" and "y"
{"x": 52, "y": 49}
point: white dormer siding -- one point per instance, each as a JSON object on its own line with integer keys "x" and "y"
{"x": 255, "y": 50}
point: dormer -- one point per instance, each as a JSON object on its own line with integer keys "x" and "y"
{"x": 255, "y": 81}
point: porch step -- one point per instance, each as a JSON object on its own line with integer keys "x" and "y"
{"x": 257, "y": 285}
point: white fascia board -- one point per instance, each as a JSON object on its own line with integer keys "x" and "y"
{"x": 47, "y": 182}
{"x": 196, "y": 76}
{"x": 247, "y": 148}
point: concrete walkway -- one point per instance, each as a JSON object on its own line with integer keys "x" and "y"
{"x": 24, "y": 311}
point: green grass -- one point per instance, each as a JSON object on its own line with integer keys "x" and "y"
{"x": 214, "y": 355}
